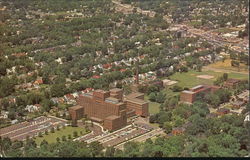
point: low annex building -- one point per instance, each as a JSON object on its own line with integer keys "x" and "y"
{"x": 109, "y": 108}
{"x": 231, "y": 83}
{"x": 190, "y": 95}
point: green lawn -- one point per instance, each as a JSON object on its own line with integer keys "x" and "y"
{"x": 51, "y": 137}
{"x": 153, "y": 107}
{"x": 189, "y": 79}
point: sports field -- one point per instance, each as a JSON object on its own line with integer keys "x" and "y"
{"x": 226, "y": 65}
{"x": 189, "y": 79}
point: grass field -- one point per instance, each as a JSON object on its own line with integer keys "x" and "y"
{"x": 51, "y": 137}
{"x": 153, "y": 107}
{"x": 227, "y": 66}
{"x": 189, "y": 79}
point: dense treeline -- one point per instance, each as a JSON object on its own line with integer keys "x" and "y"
{"x": 213, "y": 137}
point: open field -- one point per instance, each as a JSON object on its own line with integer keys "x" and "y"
{"x": 226, "y": 65}
{"x": 154, "y": 107}
{"x": 51, "y": 137}
{"x": 189, "y": 78}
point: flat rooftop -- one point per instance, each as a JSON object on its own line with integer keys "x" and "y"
{"x": 189, "y": 92}
{"x": 89, "y": 94}
{"x": 112, "y": 117}
{"x": 115, "y": 90}
{"x": 197, "y": 87}
{"x": 101, "y": 91}
{"x": 134, "y": 95}
{"x": 76, "y": 107}
{"x": 136, "y": 100}
{"x": 112, "y": 100}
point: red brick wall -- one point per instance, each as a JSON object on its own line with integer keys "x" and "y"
{"x": 96, "y": 106}
{"x": 186, "y": 97}
{"x": 140, "y": 109}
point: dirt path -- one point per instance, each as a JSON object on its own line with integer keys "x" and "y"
{"x": 206, "y": 68}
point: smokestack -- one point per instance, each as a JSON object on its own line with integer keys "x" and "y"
{"x": 137, "y": 72}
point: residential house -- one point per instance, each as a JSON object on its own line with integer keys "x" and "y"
{"x": 4, "y": 114}
{"x": 107, "y": 66}
{"x": 222, "y": 111}
{"x": 33, "y": 108}
{"x": 231, "y": 83}
{"x": 69, "y": 98}
{"x": 14, "y": 121}
{"x": 178, "y": 130}
{"x": 39, "y": 81}
{"x": 157, "y": 82}
{"x": 247, "y": 117}
{"x": 211, "y": 115}
{"x": 237, "y": 104}
{"x": 96, "y": 76}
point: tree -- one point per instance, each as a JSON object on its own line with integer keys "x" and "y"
{"x": 152, "y": 96}
{"x": 75, "y": 134}
{"x": 199, "y": 67}
{"x": 110, "y": 152}
{"x": 52, "y": 130}
{"x": 177, "y": 88}
{"x": 30, "y": 143}
{"x": 199, "y": 125}
{"x": 95, "y": 148}
{"x": 235, "y": 63}
{"x": 64, "y": 138}
{"x": 224, "y": 95}
{"x": 57, "y": 139}
{"x": 58, "y": 90}
{"x": 69, "y": 136}
{"x": 44, "y": 143}
{"x": 5, "y": 143}
{"x": 160, "y": 97}
{"x": 163, "y": 117}
{"x": 183, "y": 69}
{"x": 17, "y": 144}
{"x": 225, "y": 76}
{"x": 153, "y": 88}
{"x": 152, "y": 118}
{"x": 167, "y": 127}
{"x": 131, "y": 149}
{"x": 40, "y": 134}
{"x": 46, "y": 132}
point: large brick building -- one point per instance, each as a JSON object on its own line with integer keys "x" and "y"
{"x": 109, "y": 108}
{"x": 76, "y": 113}
{"x": 135, "y": 102}
{"x": 190, "y": 95}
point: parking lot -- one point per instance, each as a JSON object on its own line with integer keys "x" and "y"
{"x": 138, "y": 128}
{"x": 123, "y": 136}
{"x": 21, "y": 130}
